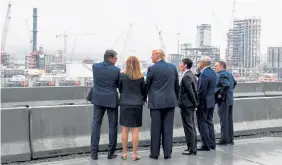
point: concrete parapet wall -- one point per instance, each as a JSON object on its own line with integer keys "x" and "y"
{"x": 67, "y": 129}
{"x": 46, "y": 131}
{"x": 36, "y": 96}
{"x": 33, "y": 94}
{"x": 15, "y": 143}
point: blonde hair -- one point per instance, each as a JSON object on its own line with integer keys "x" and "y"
{"x": 160, "y": 53}
{"x": 132, "y": 69}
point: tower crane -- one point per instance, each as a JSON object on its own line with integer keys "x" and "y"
{"x": 73, "y": 35}
{"x": 128, "y": 35}
{"x": 161, "y": 38}
{"x": 5, "y": 32}
{"x": 29, "y": 34}
{"x": 229, "y": 27}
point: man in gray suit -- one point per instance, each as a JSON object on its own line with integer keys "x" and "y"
{"x": 104, "y": 96}
{"x": 187, "y": 102}
{"x": 162, "y": 87}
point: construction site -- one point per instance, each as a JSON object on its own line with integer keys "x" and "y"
{"x": 243, "y": 55}
{"x": 243, "y": 48}
{"x": 40, "y": 68}
{"x": 203, "y": 48}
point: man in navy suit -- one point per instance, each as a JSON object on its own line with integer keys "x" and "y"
{"x": 206, "y": 88}
{"x": 105, "y": 98}
{"x": 224, "y": 97}
{"x": 162, "y": 85}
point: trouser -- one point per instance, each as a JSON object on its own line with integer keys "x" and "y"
{"x": 161, "y": 127}
{"x": 205, "y": 126}
{"x": 187, "y": 116}
{"x": 98, "y": 115}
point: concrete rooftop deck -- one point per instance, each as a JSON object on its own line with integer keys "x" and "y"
{"x": 262, "y": 151}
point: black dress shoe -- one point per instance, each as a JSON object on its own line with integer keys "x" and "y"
{"x": 112, "y": 156}
{"x": 189, "y": 153}
{"x": 153, "y": 157}
{"x": 94, "y": 156}
{"x": 221, "y": 143}
{"x": 203, "y": 149}
{"x": 167, "y": 157}
{"x": 231, "y": 143}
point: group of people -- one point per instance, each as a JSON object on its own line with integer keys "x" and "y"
{"x": 161, "y": 92}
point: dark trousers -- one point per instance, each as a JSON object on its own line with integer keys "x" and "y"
{"x": 161, "y": 127}
{"x": 206, "y": 127}
{"x": 187, "y": 116}
{"x": 223, "y": 119}
{"x": 230, "y": 123}
{"x": 225, "y": 113}
{"x": 98, "y": 115}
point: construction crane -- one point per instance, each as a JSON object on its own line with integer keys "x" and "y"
{"x": 73, "y": 48}
{"x": 29, "y": 34}
{"x": 128, "y": 35}
{"x": 230, "y": 25}
{"x": 5, "y": 32}
{"x": 161, "y": 39}
{"x": 73, "y": 35}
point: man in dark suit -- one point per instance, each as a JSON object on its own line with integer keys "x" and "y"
{"x": 105, "y": 97}
{"x": 188, "y": 102}
{"x": 206, "y": 88}
{"x": 224, "y": 98}
{"x": 162, "y": 86}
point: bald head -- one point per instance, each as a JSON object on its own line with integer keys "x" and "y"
{"x": 206, "y": 61}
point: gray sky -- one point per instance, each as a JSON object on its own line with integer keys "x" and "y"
{"x": 110, "y": 18}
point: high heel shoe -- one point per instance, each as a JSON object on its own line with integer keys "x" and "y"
{"x": 135, "y": 157}
{"x": 123, "y": 157}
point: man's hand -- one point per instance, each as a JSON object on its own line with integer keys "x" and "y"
{"x": 198, "y": 70}
{"x": 145, "y": 103}
{"x": 219, "y": 96}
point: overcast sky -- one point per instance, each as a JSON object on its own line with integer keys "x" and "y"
{"x": 108, "y": 19}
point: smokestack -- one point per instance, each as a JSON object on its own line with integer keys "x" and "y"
{"x": 34, "y": 32}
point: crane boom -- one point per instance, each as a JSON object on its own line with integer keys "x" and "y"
{"x": 161, "y": 39}
{"x": 29, "y": 34}
{"x": 5, "y": 32}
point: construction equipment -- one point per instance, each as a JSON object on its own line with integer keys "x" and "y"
{"x": 161, "y": 39}
{"x": 5, "y": 32}
{"x": 73, "y": 48}
{"x": 73, "y": 35}
{"x": 29, "y": 34}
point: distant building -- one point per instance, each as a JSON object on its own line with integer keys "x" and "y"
{"x": 243, "y": 46}
{"x": 274, "y": 57}
{"x": 7, "y": 60}
{"x": 274, "y": 61}
{"x": 47, "y": 62}
{"x": 196, "y": 53}
{"x": 203, "y": 36}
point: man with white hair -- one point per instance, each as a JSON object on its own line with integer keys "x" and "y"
{"x": 162, "y": 86}
{"x": 206, "y": 88}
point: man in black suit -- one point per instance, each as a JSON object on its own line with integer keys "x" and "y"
{"x": 206, "y": 88}
{"x": 224, "y": 96}
{"x": 162, "y": 85}
{"x": 188, "y": 102}
{"x": 105, "y": 97}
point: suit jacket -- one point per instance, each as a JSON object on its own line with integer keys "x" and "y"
{"x": 206, "y": 87}
{"x": 162, "y": 85}
{"x": 105, "y": 80}
{"x": 188, "y": 91}
{"x": 225, "y": 86}
{"x": 132, "y": 92}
